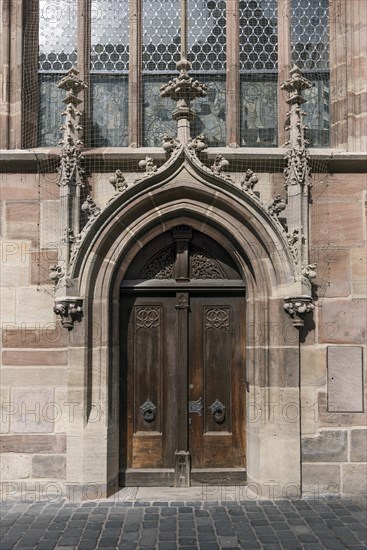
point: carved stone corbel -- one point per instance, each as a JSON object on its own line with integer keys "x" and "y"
{"x": 297, "y": 307}
{"x": 70, "y": 310}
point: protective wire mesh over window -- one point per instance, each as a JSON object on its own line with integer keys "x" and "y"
{"x": 110, "y": 36}
{"x": 161, "y": 35}
{"x": 310, "y": 47}
{"x": 57, "y": 35}
{"x": 49, "y": 107}
{"x": 110, "y": 110}
{"x": 207, "y": 35}
{"x": 310, "y": 51}
{"x": 209, "y": 112}
{"x": 258, "y": 111}
{"x": 258, "y": 35}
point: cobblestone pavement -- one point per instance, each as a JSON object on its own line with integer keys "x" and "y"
{"x": 289, "y": 524}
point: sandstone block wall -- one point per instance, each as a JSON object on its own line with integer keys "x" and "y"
{"x": 334, "y": 424}
{"x": 36, "y": 412}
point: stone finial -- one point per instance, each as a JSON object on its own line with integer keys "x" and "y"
{"x": 295, "y": 84}
{"x": 297, "y": 307}
{"x": 249, "y": 181}
{"x": 90, "y": 208}
{"x": 148, "y": 165}
{"x": 220, "y": 165}
{"x": 118, "y": 182}
{"x": 183, "y": 89}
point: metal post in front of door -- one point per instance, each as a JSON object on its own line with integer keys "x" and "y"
{"x": 182, "y": 454}
{"x": 182, "y": 236}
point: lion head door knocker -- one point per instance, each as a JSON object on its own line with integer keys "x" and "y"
{"x": 217, "y": 409}
{"x": 148, "y": 410}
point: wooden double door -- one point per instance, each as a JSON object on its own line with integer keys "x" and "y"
{"x": 183, "y": 387}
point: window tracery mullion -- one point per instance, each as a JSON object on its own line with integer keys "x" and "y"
{"x": 284, "y": 64}
{"x": 83, "y": 63}
{"x": 135, "y": 73}
{"x": 233, "y": 74}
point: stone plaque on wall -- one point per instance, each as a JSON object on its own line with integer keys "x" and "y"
{"x": 345, "y": 379}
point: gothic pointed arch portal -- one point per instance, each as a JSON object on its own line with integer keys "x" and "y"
{"x": 182, "y": 364}
{"x": 250, "y": 249}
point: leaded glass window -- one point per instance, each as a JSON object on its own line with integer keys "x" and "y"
{"x": 110, "y": 110}
{"x": 259, "y": 111}
{"x": 161, "y": 39}
{"x": 206, "y": 23}
{"x": 256, "y": 42}
{"x": 258, "y": 65}
{"x": 207, "y": 54}
{"x": 109, "y": 68}
{"x": 210, "y": 111}
{"x": 56, "y": 55}
{"x": 310, "y": 51}
{"x": 157, "y": 117}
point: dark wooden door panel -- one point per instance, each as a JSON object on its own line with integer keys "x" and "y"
{"x": 157, "y": 394}
{"x": 217, "y": 381}
{"x": 151, "y": 389}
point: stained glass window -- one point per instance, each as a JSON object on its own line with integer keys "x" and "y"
{"x": 259, "y": 111}
{"x": 157, "y": 112}
{"x": 57, "y": 35}
{"x": 50, "y": 106}
{"x": 109, "y": 67}
{"x": 161, "y": 39}
{"x": 210, "y": 112}
{"x": 258, "y": 66}
{"x": 310, "y": 51}
{"x": 110, "y": 110}
{"x": 57, "y": 54}
{"x": 109, "y": 36}
{"x": 206, "y": 50}
{"x": 206, "y": 53}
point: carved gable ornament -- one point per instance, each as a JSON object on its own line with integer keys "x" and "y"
{"x": 188, "y": 157}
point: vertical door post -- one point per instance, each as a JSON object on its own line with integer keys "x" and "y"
{"x": 182, "y": 454}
